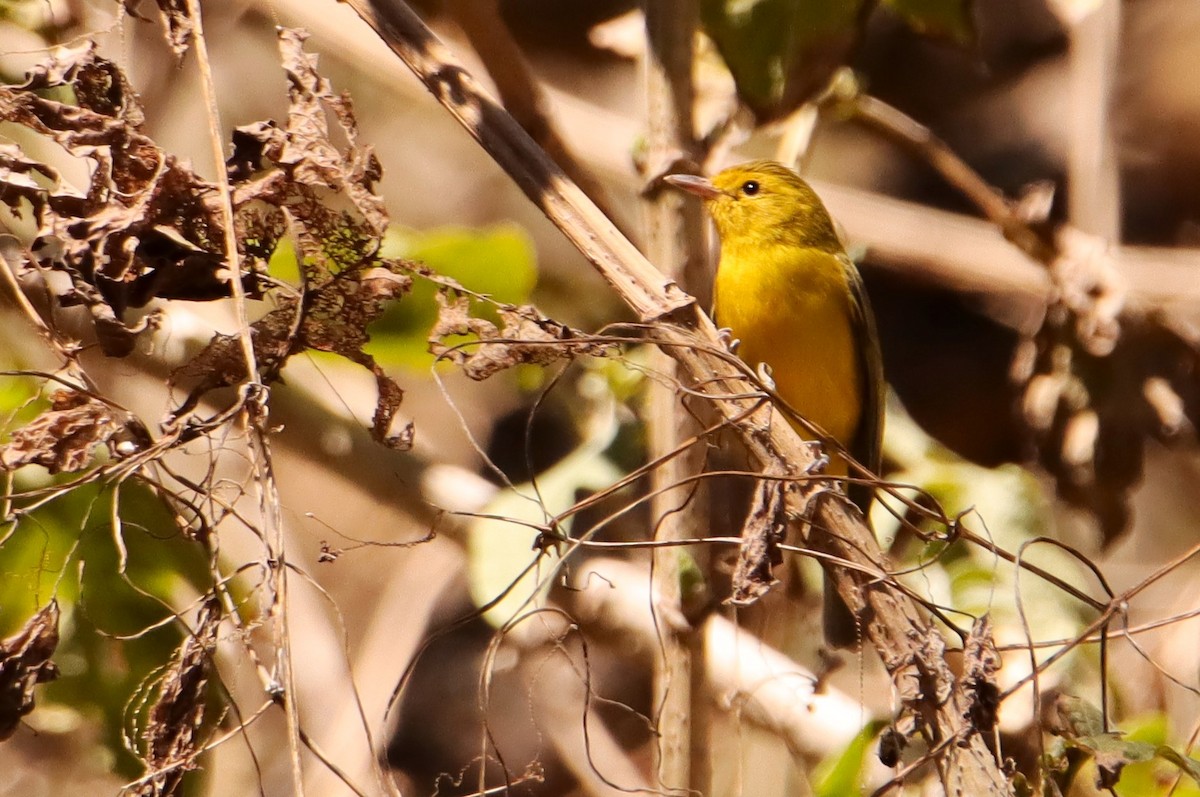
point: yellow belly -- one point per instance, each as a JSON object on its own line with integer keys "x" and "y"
{"x": 794, "y": 312}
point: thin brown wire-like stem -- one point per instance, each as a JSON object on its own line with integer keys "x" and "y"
{"x": 1116, "y": 606}
{"x": 254, "y": 413}
{"x": 894, "y": 623}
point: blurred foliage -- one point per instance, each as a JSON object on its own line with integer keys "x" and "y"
{"x": 1159, "y": 776}
{"x": 1005, "y": 505}
{"x": 115, "y": 629}
{"x": 110, "y": 645}
{"x": 950, "y": 19}
{"x": 498, "y": 261}
{"x": 843, "y": 774}
{"x": 782, "y": 53}
{"x": 504, "y": 542}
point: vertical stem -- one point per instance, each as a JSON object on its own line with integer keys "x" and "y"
{"x": 254, "y": 415}
{"x": 1093, "y": 176}
{"x": 674, "y": 238}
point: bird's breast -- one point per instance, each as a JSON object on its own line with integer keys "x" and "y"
{"x": 794, "y": 311}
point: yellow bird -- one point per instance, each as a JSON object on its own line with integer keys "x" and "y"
{"x": 787, "y": 290}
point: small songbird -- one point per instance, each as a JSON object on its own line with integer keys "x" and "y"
{"x": 787, "y": 290}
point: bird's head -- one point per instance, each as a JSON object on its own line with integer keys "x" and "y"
{"x": 766, "y": 201}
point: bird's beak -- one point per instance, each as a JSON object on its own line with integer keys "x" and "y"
{"x": 694, "y": 185}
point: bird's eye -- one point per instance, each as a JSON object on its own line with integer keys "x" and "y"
{"x": 750, "y": 187}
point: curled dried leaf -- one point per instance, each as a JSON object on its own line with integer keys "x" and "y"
{"x": 336, "y": 319}
{"x": 302, "y": 150}
{"x": 25, "y": 663}
{"x": 145, "y": 226}
{"x": 63, "y": 439}
{"x": 333, "y": 316}
{"x": 222, "y": 363}
{"x": 177, "y": 23}
{"x": 172, "y": 736}
{"x": 758, "y": 555}
{"x": 981, "y": 662}
{"x": 524, "y": 336}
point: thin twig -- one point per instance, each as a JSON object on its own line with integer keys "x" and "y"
{"x": 254, "y": 408}
{"x": 895, "y": 626}
{"x": 915, "y": 136}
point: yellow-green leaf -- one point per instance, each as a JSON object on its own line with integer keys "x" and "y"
{"x": 498, "y": 261}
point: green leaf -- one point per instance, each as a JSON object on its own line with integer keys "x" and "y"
{"x": 1082, "y": 726}
{"x": 1078, "y": 717}
{"x": 498, "y": 261}
{"x": 844, "y": 774}
{"x": 782, "y": 52}
{"x": 949, "y": 19}
{"x": 66, "y": 550}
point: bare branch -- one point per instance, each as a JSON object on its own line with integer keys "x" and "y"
{"x": 893, "y": 621}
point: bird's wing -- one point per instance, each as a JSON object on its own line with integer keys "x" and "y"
{"x": 868, "y": 442}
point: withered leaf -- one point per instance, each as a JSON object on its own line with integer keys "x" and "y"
{"x": 331, "y": 317}
{"x": 222, "y": 363}
{"x": 302, "y": 148}
{"x": 336, "y": 319}
{"x": 524, "y": 336}
{"x": 981, "y": 662}
{"x": 929, "y": 684}
{"x": 766, "y": 526}
{"x": 177, "y": 23}
{"x": 63, "y": 438}
{"x": 24, "y": 663}
{"x": 143, "y": 215}
{"x": 60, "y": 65}
{"x": 171, "y": 737}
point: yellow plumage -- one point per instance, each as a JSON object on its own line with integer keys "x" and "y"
{"x": 786, "y": 289}
{"x": 792, "y": 310}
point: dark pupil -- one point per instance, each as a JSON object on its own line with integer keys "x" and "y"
{"x": 750, "y": 187}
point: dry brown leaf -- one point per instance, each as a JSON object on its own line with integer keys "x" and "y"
{"x": 981, "y": 662}
{"x": 302, "y": 149}
{"x": 758, "y": 556}
{"x": 336, "y": 319}
{"x": 25, "y": 663}
{"x": 172, "y": 736}
{"x": 146, "y": 226}
{"x": 524, "y": 336}
{"x": 63, "y": 438}
{"x": 177, "y": 23}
